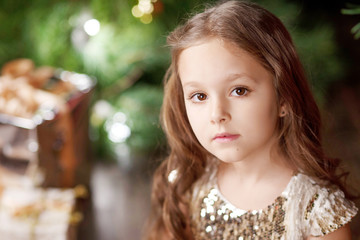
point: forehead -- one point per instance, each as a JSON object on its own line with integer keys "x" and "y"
{"x": 217, "y": 59}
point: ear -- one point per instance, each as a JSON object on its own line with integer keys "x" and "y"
{"x": 283, "y": 109}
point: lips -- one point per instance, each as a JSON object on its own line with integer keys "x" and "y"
{"x": 225, "y": 137}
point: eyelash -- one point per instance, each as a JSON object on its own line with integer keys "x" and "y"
{"x": 246, "y": 91}
{"x": 197, "y": 94}
{"x": 193, "y": 96}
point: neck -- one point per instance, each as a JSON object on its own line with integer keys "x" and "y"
{"x": 258, "y": 181}
{"x": 255, "y": 169}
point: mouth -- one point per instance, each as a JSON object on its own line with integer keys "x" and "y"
{"x": 225, "y": 137}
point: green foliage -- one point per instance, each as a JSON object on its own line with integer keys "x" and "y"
{"x": 353, "y": 10}
{"x": 142, "y": 106}
{"x": 129, "y": 58}
{"x": 136, "y": 109}
{"x": 315, "y": 43}
{"x": 320, "y": 56}
{"x": 11, "y": 29}
{"x": 47, "y": 35}
{"x": 116, "y": 52}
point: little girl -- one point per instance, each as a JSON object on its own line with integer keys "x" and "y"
{"x": 245, "y": 158}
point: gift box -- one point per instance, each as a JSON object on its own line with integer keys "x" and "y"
{"x": 28, "y": 213}
{"x": 44, "y": 126}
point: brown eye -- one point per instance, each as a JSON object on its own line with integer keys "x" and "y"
{"x": 199, "y": 97}
{"x": 240, "y": 91}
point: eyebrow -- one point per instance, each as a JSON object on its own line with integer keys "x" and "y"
{"x": 229, "y": 78}
{"x": 235, "y": 76}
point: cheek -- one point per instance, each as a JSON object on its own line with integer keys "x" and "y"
{"x": 262, "y": 115}
{"x": 196, "y": 120}
{"x": 267, "y": 112}
{"x": 193, "y": 118}
{"x": 267, "y": 116}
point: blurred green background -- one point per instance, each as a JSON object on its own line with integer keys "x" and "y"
{"x": 122, "y": 44}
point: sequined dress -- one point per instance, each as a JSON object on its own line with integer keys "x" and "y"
{"x": 304, "y": 208}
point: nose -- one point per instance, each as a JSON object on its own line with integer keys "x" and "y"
{"x": 220, "y": 112}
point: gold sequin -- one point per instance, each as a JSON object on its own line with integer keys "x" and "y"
{"x": 306, "y": 207}
{"x": 218, "y": 219}
{"x": 310, "y": 206}
{"x": 336, "y": 210}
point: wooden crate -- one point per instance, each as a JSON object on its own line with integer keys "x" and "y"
{"x": 51, "y": 149}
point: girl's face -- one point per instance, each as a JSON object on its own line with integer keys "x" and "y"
{"x": 230, "y": 101}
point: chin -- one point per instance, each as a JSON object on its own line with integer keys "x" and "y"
{"x": 229, "y": 158}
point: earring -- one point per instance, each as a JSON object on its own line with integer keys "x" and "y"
{"x": 282, "y": 114}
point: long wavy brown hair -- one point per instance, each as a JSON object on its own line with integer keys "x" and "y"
{"x": 260, "y": 33}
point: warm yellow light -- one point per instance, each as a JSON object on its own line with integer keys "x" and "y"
{"x": 136, "y": 11}
{"x": 146, "y": 18}
{"x": 146, "y": 6}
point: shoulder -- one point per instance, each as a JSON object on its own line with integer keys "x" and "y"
{"x": 324, "y": 207}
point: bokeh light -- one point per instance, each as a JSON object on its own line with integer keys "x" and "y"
{"x": 117, "y": 129}
{"x": 146, "y": 18}
{"x": 136, "y": 12}
{"x": 143, "y": 10}
{"x": 92, "y": 27}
